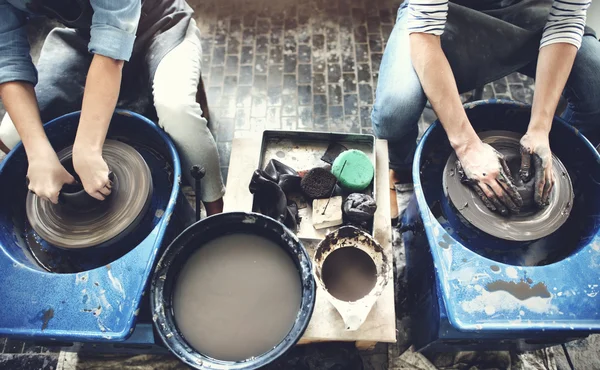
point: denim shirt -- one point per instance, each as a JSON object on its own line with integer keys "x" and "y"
{"x": 112, "y": 34}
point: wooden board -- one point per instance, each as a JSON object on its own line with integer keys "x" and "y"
{"x": 326, "y": 323}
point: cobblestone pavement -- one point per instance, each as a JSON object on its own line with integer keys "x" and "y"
{"x": 292, "y": 65}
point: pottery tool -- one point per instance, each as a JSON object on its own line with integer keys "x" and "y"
{"x": 530, "y": 223}
{"x": 333, "y": 151}
{"x": 81, "y": 221}
{"x": 332, "y": 190}
{"x": 359, "y": 172}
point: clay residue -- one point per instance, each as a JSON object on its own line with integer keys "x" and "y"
{"x": 347, "y": 233}
{"x": 446, "y": 242}
{"x": 47, "y": 315}
{"x": 520, "y": 290}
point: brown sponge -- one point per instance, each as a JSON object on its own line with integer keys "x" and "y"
{"x": 318, "y": 183}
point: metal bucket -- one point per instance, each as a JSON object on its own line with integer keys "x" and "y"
{"x": 193, "y": 238}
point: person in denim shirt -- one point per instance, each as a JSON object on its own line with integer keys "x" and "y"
{"x": 83, "y": 67}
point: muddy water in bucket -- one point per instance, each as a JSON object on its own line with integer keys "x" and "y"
{"x": 349, "y": 274}
{"x": 237, "y": 297}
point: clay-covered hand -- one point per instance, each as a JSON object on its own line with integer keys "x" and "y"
{"x": 536, "y": 160}
{"x": 484, "y": 169}
{"x": 46, "y": 176}
{"x": 93, "y": 172}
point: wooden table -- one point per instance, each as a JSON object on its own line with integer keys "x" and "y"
{"x": 326, "y": 324}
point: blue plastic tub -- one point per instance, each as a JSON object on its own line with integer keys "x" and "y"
{"x": 58, "y": 295}
{"x": 469, "y": 290}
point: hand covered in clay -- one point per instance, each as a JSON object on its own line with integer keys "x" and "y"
{"x": 484, "y": 169}
{"x": 93, "y": 172}
{"x": 536, "y": 146}
{"x": 46, "y": 176}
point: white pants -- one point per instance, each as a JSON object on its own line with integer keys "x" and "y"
{"x": 174, "y": 88}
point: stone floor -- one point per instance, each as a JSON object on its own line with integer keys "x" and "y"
{"x": 292, "y": 65}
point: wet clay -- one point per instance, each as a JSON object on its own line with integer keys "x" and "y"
{"x": 237, "y": 297}
{"x": 81, "y": 227}
{"x": 349, "y": 274}
{"x": 530, "y": 223}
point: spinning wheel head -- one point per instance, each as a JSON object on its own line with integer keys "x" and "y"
{"x": 80, "y": 221}
{"x": 531, "y": 223}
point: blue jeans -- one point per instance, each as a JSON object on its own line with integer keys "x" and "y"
{"x": 400, "y": 99}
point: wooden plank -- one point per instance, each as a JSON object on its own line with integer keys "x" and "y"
{"x": 245, "y": 153}
{"x": 326, "y": 323}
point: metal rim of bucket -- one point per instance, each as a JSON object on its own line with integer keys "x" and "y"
{"x": 167, "y": 269}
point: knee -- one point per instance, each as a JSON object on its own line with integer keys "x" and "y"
{"x": 396, "y": 115}
{"x": 178, "y": 115}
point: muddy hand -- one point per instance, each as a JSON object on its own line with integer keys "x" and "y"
{"x": 485, "y": 171}
{"x": 93, "y": 172}
{"x": 46, "y": 176}
{"x": 536, "y": 160}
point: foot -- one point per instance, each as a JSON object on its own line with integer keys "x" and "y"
{"x": 212, "y": 208}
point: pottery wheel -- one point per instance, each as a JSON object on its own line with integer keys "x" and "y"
{"x": 81, "y": 227}
{"x": 531, "y": 223}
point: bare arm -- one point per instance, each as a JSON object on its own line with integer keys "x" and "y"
{"x": 99, "y": 100}
{"x": 439, "y": 85}
{"x": 45, "y": 173}
{"x": 553, "y": 69}
{"x": 483, "y": 168}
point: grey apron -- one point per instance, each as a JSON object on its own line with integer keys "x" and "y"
{"x": 65, "y": 60}
{"x": 485, "y": 40}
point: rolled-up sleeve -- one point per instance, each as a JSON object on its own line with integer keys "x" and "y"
{"x": 114, "y": 25}
{"x": 566, "y": 22}
{"x": 15, "y": 60}
{"x": 427, "y": 16}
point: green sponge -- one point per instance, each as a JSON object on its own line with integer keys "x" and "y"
{"x": 357, "y": 172}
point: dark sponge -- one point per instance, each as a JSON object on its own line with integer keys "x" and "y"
{"x": 318, "y": 183}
